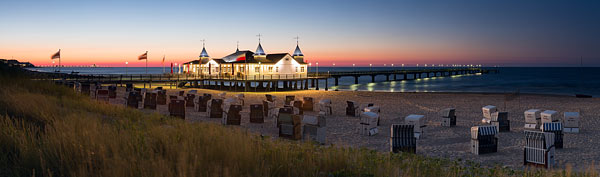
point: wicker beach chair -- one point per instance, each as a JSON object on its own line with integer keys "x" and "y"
{"x": 132, "y": 100}
{"x": 257, "y": 113}
{"x": 484, "y": 140}
{"x": 215, "y": 109}
{"x": 112, "y": 91}
{"x": 202, "y": 102}
{"x": 298, "y": 107}
{"x": 102, "y": 95}
{"x": 307, "y": 104}
{"x": 448, "y": 117}
{"x": 289, "y": 99}
{"x": 177, "y": 108}
{"x": 232, "y": 115}
{"x": 150, "y": 101}
{"x": 161, "y": 97}
{"x": 402, "y": 139}
{"x": 290, "y": 126}
{"x": 314, "y": 128}
{"x": 352, "y": 109}
{"x": 325, "y": 106}
{"x": 189, "y": 100}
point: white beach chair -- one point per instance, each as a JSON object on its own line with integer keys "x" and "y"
{"x": 419, "y": 124}
{"x": 487, "y": 113}
{"x": 571, "y": 122}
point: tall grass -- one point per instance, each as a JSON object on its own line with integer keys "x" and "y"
{"x": 48, "y": 130}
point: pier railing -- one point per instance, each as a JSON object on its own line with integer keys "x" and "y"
{"x": 228, "y": 77}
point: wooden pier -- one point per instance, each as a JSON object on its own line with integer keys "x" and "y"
{"x": 256, "y": 83}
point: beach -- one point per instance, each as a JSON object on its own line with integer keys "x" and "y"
{"x": 580, "y": 150}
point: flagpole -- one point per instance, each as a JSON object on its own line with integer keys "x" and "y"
{"x": 59, "y": 60}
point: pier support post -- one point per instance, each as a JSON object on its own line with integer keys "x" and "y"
{"x": 295, "y": 85}
{"x": 372, "y": 78}
{"x": 405, "y": 76}
{"x": 387, "y": 77}
{"x": 336, "y": 81}
{"x": 306, "y": 84}
{"x": 326, "y": 85}
{"x": 355, "y": 79}
{"x": 312, "y": 83}
{"x": 395, "y": 77}
{"x": 317, "y": 84}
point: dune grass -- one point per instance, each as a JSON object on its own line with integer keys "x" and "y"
{"x": 48, "y": 130}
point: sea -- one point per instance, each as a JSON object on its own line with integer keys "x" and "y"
{"x": 537, "y": 80}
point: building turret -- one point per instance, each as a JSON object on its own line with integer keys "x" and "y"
{"x": 204, "y": 55}
{"x": 260, "y": 53}
{"x": 298, "y": 56}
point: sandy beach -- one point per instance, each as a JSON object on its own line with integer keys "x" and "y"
{"x": 580, "y": 150}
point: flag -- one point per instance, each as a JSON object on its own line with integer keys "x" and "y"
{"x": 143, "y": 56}
{"x": 171, "y": 68}
{"x": 56, "y": 55}
{"x": 163, "y": 59}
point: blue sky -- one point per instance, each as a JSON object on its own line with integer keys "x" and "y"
{"x": 507, "y": 33}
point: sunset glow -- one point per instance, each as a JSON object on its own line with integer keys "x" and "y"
{"x": 109, "y": 33}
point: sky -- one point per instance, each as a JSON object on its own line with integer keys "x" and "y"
{"x": 490, "y": 33}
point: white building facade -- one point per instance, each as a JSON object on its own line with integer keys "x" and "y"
{"x": 250, "y": 65}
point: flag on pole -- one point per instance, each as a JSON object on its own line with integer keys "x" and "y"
{"x": 56, "y": 55}
{"x": 143, "y": 56}
{"x": 163, "y": 61}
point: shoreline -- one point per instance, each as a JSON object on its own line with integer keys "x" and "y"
{"x": 366, "y": 91}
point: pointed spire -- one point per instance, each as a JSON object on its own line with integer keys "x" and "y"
{"x": 203, "y": 53}
{"x": 297, "y": 52}
{"x": 237, "y": 48}
{"x": 259, "y": 50}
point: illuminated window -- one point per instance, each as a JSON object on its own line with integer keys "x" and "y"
{"x": 296, "y": 69}
{"x": 257, "y": 69}
{"x": 270, "y": 69}
{"x": 277, "y": 69}
{"x": 302, "y": 69}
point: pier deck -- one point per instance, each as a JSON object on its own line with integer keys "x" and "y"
{"x": 258, "y": 82}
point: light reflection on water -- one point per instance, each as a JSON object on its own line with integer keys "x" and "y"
{"x": 562, "y": 81}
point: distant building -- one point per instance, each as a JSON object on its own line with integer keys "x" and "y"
{"x": 13, "y": 62}
{"x": 248, "y": 63}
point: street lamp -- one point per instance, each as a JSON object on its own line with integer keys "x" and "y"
{"x": 317, "y": 69}
{"x": 370, "y": 67}
{"x": 353, "y": 69}
{"x": 126, "y": 67}
{"x": 308, "y": 69}
{"x": 330, "y": 68}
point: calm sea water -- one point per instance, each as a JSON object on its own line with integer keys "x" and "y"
{"x": 560, "y": 81}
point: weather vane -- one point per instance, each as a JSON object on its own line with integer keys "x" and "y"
{"x": 259, "y": 35}
{"x": 297, "y": 38}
